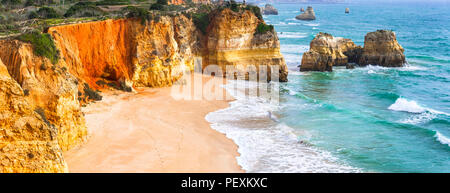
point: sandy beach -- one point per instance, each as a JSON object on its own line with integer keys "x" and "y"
{"x": 150, "y": 131}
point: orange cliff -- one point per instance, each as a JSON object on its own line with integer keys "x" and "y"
{"x": 123, "y": 52}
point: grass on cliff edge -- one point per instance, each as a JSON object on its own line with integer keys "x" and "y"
{"x": 262, "y": 28}
{"x": 43, "y": 45}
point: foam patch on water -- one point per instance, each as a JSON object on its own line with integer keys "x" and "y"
{"x": 312, "y": 24}
{"x": 409, "y": 67}
{"x": 419, "y": 118}
{"x": 265, "y": 145}
{"x": 294, "y": 49}
{"x": 298, "y": 35}
{"x": 442, "y": 139}
{"x": 405, "y": 105}
{"x": 402, "y": 104}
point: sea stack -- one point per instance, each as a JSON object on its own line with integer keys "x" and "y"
{"x": 307, "y": 15}
{"x": 269, "y": 10}
{"x": 381, "y": 48}
{"x": 327, "y": 51}
{"x": 347, "y": 10}
{"x": 302, "y": 10}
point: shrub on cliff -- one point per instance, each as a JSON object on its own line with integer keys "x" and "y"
{"x": 256, "y": 10}
{"x": 47, "y": 13}
{"x": 11, "y": 3}
{"x": 159, "y": 5}
{"x": 201, "y": 21}
{"x": 43, "y": 45}
{"x": 135, "y": 12}
{"x": 91, "y": 94}
{"x": 84, "y": 9}
{"x": 263, "y": 28}
{"x": 113, "y": 2}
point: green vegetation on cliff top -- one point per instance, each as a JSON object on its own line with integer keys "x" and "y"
{"x": 43, "y": 45}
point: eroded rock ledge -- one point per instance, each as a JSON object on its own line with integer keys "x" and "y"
{"x": 380, "y": 48}
{"x": 41, "y": 101}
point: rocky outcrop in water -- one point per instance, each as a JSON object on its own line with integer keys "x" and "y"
{"x": 269, "y": 10}
{"x": 381, "y": 48}
{"x": 327, "y": 51}
{"x": 307, "y": 15}
{"x": 347, "y": 10}
{"x": 302, "y": 10}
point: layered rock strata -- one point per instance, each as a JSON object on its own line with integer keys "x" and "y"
{"x": 28, "y": 142}
{"x": 232, "y": 41}
{"x": 50, "y": 87}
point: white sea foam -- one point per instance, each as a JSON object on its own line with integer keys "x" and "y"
{"x": 312, "y": 24}
{"x": 419, "y": 118}
{"x": 442, "y": 139}
{"x": 402, "y": 104}
{"x": 291, "y": 35}
{"x": 409, "y": 67}
{"x": 294, "y": 49}
{"x": 266, "y": 145}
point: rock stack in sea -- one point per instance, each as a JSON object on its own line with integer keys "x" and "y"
{"x": 327, "y": 51}
{"x": 307, "y": 15}
{"x": 347, "y": 10}
{"x": 269, "y": 10}
{"x": 380, "y": 48}
{"x": 302, "y": 10}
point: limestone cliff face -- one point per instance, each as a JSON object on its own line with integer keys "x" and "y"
{"x": 381, "y": 48}
{"x": 28, "y": 143}
{"x": 232, "y": 40}
{"x": 49, "y": 87}
{"x": 327, "y": 51}
{"x": 127, "y": 52}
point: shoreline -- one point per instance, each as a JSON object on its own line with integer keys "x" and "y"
{"x": 153, "y": 132}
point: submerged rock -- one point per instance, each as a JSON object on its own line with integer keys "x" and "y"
{"x": 381, "y": 48}
{"x": 327, "y": 51}
{"x": 350, "y": 66}
{"x": 269, "y": 10}
{"x": 307, "y": 15}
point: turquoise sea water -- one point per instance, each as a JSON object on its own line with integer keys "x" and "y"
{"x": 370, "y": 119}
{"x": 373, "y": 118}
